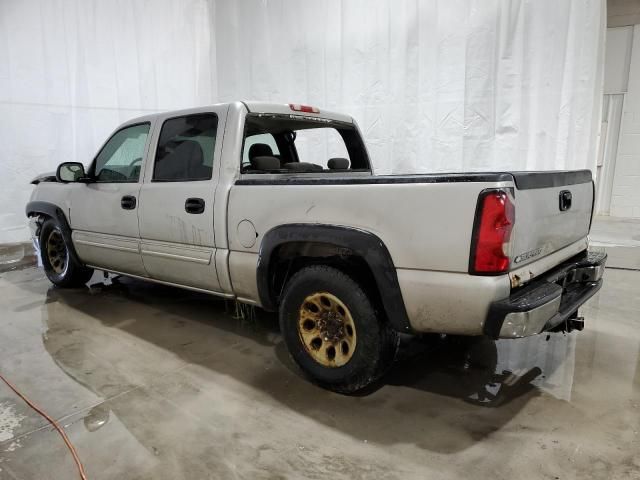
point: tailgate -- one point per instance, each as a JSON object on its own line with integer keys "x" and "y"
{"x": 553, "y": 210}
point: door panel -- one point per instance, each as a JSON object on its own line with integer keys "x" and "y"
{"x": 182, "y": 264}
{"x": 101, "y": 227}
{"x": 164, "y": 217}
{"x": 109, "y": 251}
{"x": 178, "y": 246}
{"x": 176, "y": 200}
{"x": 104, "y": 214}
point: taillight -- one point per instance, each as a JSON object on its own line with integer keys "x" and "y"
{"x": 303, "y": 108}
{"x": 495, "y": 217}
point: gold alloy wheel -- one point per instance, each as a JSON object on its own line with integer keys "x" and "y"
{"x": 326, "y": 329}
{"x": 57, "y": 252}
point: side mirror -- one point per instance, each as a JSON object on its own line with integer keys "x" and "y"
{"x": 71, "y": 172}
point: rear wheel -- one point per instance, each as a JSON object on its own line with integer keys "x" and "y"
{"x": 59, "y": 265}
{"x": 333, "y": 331}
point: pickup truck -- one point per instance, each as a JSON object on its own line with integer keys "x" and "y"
{"x": 278, "y": 206}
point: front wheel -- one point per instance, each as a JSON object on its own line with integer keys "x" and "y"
{"x": 333, "y": 331}
{"x": 59, "y": 265}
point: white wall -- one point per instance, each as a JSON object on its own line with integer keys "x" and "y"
{"x": 436, "y": 85}
{"x": 617, "y": 59}
{"x": 72, "y": 70}
{"x": 625, "y": 201}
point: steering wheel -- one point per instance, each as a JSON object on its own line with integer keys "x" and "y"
{"x": 135, "y": 160}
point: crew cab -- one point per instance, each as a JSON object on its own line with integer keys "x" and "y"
{"x": 278, "y": 206}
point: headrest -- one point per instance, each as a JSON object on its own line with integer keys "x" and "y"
{"x": 338, "y": 164}
{"x": 260, "y": 150}
{"x": 264, "y": 162}
{"x": 302, "y": 167}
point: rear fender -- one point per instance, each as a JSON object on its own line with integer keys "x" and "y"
{"x": 364, "y": 244}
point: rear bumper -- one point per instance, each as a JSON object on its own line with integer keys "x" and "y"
{"x": 549, "y": 300}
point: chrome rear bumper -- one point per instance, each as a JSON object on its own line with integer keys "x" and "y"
{"x": 549, "y": 300}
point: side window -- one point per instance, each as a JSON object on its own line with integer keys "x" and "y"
{"x": 121, "y": 157}
{"x": 258, "y": 145}
{"x": 185, "y": 148}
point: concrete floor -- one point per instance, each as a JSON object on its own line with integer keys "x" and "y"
{"x": 620, "y": 238}
{"x": 152, "y": 382}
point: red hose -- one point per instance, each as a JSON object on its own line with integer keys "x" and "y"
{"x": 76, "y": 459}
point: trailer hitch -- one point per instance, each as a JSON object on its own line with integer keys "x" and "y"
{"x": 576, "y": 323}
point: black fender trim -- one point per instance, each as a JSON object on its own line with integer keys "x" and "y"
{"x": 362, "y": 243}
{"x": 54, "y": 211}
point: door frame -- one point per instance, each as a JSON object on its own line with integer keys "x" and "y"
{"x": 99, "y": 248}
{"x": 182, "y": 263}
{"x": 610, "y": 136}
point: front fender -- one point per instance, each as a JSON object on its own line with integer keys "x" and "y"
{"x": 54, "y": 211}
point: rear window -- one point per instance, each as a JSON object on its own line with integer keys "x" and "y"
{"x": 260, "y": 139}
{"x": 295, "y": 144}
{"x": 318, "y": 145}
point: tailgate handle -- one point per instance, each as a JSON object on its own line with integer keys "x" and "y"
{"x": 194, "y": 205}
{"x": 565, "y": 200}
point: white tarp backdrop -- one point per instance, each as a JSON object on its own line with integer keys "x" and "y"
{"x": 450, "y": 85}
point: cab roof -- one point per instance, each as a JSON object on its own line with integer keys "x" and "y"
{"x": 295, "y": 109}
{"x": 253, "y": 107}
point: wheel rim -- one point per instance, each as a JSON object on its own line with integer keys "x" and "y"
{"x": 57, "y": 252}
{"x": 326, "y": 329}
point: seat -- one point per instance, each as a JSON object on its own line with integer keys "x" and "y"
{"x": 264, "y": 163}
{"x": 260, "y": 150}
{"x": 338, "y": 163}
{"x": 181, "y": 160}
{"x": 196, "y": 169}
{"x": 302, "y": 167}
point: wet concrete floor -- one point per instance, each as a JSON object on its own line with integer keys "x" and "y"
{"x": 153, "y": 382}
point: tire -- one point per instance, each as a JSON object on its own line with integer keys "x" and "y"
{"x": 59, "y": 265}
{"x": 322, "y": 307}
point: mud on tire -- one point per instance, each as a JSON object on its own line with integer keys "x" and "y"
{"x": 321, "y": 307}
{"x": 59, "y": 265}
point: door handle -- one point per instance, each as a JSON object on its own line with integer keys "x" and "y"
{"x": 128, "y": 202}
{"x": 194, "y": 205}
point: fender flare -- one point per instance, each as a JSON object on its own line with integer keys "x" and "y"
{"x": 54, "y": 211}
{"x": 362, "y": 243}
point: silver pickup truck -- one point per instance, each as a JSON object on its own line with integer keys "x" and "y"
{"x": 278, "y": 206}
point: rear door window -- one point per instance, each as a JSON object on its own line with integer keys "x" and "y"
{"x": 186, "y": 148}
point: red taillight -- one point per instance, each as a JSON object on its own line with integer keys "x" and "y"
{"x": 303, "y": 108}
{"x": 492, "y": 231}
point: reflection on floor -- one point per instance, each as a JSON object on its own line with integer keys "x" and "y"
{"x": 154, "y": 382}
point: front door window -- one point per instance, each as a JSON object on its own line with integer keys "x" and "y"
{"x": 120, "y": 159}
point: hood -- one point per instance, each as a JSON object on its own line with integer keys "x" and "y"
{"x": 44, "y": 177}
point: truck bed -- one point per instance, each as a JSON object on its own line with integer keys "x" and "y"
{"x": 426, "y": 222}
